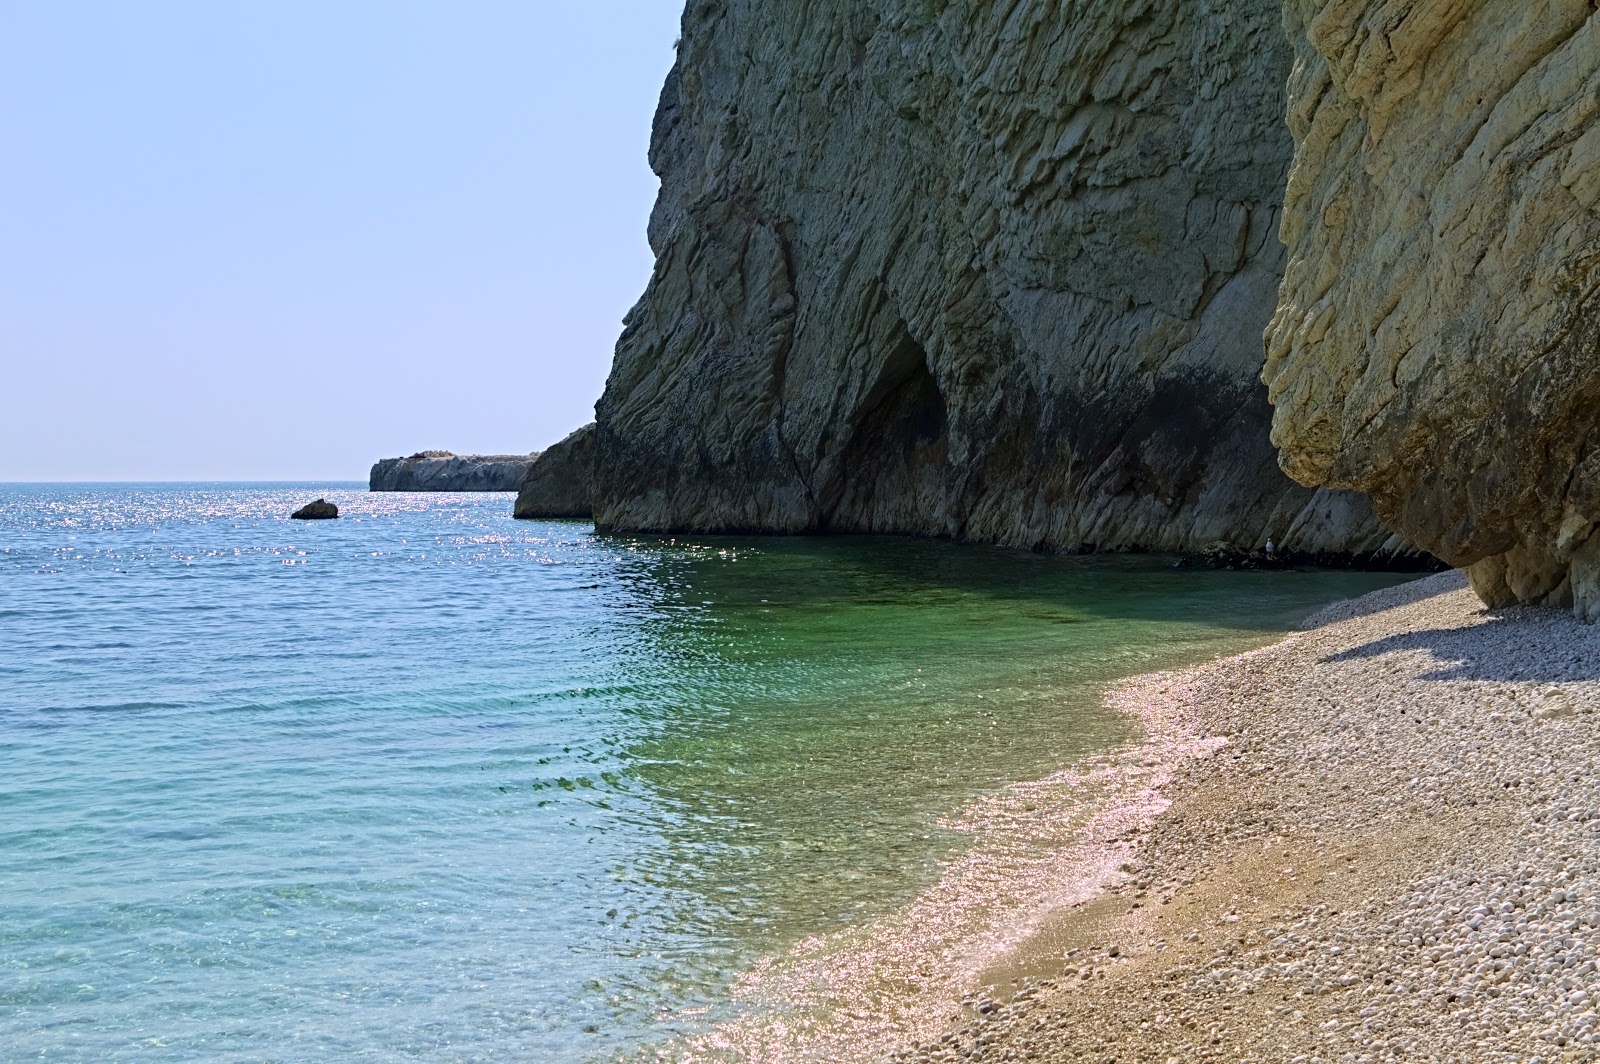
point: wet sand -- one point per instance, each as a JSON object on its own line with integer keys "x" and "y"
{"x": 1378, "y": 840}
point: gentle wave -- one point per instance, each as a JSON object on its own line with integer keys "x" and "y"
{"x": 428, "y": 783}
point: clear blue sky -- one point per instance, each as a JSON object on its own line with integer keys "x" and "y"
{"x": 281, "y": 240}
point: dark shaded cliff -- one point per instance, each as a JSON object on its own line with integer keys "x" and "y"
{"x": 560, "y": 483}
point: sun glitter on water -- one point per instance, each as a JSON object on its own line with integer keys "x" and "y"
{"x": 429, "y": 783}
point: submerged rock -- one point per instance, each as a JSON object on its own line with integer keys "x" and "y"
{"x": 560, "y": 483}
{"x": 964, "y": 269}
{"x": 445, "y": 471}
{"x": 321, "y": 510}
{"x": 1228, "y": 556}
{"x": 1437, "y": 341}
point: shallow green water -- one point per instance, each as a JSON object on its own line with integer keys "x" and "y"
{"x": 426, "y": 783}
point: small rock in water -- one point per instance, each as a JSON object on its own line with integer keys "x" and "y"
{"x": 321, "y": 510}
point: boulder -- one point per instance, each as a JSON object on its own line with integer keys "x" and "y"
{"x": 1437, "y": 339}
{"x": 560, "y": 483}
{"x": 321, "y": 510}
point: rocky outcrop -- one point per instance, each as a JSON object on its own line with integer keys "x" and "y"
{"x": 321, "y": 510}
{"x": 560, "y": 484}
{"x": 988, "y": 271}
{"x": 1437, "y": 343}
{"x": 443, "y": 471}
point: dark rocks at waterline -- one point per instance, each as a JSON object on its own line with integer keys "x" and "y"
{"x": 1223, "y": 555}
{"x": 560, "y": 483}
{"x": 321, "y": 510}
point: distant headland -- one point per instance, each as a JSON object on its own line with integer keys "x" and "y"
{"x": 446, "y": 471}
{"x": 553, "y": 483}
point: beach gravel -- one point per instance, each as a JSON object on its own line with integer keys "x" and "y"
{"x": 1383, "y": 844}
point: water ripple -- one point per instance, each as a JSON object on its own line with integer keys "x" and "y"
{"x": 427, "y": 783}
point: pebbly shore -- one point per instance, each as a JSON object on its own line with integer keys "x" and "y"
{"x": 1380, "y": 841}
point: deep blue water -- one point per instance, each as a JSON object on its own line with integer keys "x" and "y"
{"x": 426, "y": 783}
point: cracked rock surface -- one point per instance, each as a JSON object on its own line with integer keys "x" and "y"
{"x": 991, "y": 271}
{"x": 1437, "y": 344}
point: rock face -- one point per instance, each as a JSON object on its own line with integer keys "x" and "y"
{"x": 321, "y": 510}
{"x": 443, "y": 471}
{"x": 560, "y": 482}
{"x": 987, "y": 271}
{"x": 1438, "y": 339}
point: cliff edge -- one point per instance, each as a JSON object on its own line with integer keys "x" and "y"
{"x": 992, "y": 272}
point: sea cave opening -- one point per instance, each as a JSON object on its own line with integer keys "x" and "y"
{"x": 892, "y": 473}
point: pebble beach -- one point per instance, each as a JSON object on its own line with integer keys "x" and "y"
{"x": 1378, "y": 840}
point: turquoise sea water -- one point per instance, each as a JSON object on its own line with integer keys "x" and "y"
{"x": 426, "y": 783}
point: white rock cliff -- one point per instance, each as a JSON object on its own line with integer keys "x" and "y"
{"x": 1437, "y": 344}
{"x": 995, "y": 271}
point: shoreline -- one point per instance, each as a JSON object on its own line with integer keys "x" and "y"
{"x": 1043, "y": 851}
{"x": 1370, "y": 843}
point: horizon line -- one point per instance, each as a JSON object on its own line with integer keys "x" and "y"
{"x": 228, "y": 480}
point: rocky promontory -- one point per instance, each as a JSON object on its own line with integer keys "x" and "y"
{"x": 991, "y": 272}
{"x": 560, "y": 483}
{"x": 444, "y": 471}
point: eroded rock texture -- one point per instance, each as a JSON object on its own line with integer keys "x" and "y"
{"x": 994, "y": 271}
{"x": 1436, "y": 343}
{"x": 560, "y": 483}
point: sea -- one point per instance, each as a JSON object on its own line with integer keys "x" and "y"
{"x": 427, "y": 783}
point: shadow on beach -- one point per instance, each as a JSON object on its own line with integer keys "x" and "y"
{"x": 1523, "y": 644}
{"x": 1406, "y": 594}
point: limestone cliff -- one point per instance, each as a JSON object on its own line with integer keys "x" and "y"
{"x": 444, "y": 471}
{"x": 559, "y": 484}
{"x": 994, "y": 271}
{"x": 1438, "y": 339}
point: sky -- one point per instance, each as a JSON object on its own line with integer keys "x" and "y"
{"x": 278, "y": 241}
